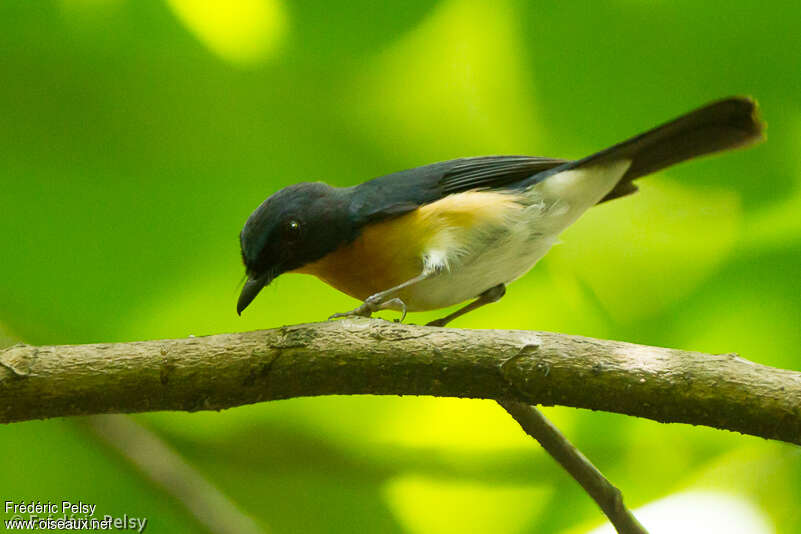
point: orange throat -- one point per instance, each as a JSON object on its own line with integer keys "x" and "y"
{"x": 384, "y": 255}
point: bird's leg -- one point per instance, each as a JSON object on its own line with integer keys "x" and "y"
{"x": 489, "y": 296}
{"x": 384, "y": 300}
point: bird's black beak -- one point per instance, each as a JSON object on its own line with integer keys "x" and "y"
{"x": 249, "y": 292}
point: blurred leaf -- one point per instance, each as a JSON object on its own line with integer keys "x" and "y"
{"x": 654, "y": 248}
{"x": 243, "y": 32}
{"x": 452, "y": 424}
{"x": 779, "y": 224}
{"x": 429, "y": 506}
{"x": 453, "y": 86}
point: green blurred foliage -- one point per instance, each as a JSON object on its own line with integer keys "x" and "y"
{"x": 136, "y": 137}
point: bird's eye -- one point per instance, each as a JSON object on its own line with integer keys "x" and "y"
{"x": 292, "y": 230}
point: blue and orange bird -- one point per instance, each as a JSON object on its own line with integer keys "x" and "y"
{"x": 442, "y": 234}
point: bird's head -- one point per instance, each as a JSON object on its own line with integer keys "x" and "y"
{"x": 293, "y": 227}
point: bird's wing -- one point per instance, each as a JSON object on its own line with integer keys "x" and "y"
{"x": 405, "y": 191}
{"x": 492, "y": 172}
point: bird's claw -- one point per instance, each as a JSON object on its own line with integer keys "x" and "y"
{"x": 397, "y": 302}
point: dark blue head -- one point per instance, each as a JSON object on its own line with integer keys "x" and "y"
{"x": 295, "y": 226}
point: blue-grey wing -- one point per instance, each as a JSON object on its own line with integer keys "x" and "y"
{"x": 404, "y": 191}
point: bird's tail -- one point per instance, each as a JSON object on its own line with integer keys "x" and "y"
{"x": 726, "y": 124}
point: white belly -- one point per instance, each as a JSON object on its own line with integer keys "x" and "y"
{"x": 478, "y": 258}
{"x": 500, "y": 264}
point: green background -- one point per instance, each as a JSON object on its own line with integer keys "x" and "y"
{"x": 137, "y": 136}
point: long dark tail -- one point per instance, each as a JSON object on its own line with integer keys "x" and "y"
{"x": 723, "y": 125}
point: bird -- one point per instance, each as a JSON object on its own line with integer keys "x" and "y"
{"x": 461, "y": 230}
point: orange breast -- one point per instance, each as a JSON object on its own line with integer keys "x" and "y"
{"x": 386, "y": 254}
{"x": 391, "y": 252}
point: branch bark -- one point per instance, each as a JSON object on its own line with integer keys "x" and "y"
{"x": 363, "y": 356}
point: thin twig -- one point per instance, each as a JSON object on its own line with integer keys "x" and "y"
{"x": 160, "y": 463}
{"x": 607, "y": 496}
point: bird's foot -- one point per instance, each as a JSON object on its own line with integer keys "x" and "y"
{"x": 361, "y": 311}
{"x": 372, "y": 304}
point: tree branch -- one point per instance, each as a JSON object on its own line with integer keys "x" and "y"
{"x": 362, "y": 356}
